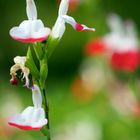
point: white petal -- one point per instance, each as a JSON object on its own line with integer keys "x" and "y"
{"x": 30, "y": 29}
{"x": 42, "y": 33}
{"x": 23, "y": 31}
{"x": 37, "y": 97}
{"x": 115, "y": 23}
{"x": 31, "y": 116}
{"x": 131, "y": 32}
{"x": 20, "y": 60}
{"x": 63, "y": 8}
{"x": 38, "y": 30}
{"x": 26, "y": 115}
{"x": 38, "y": 117}
{"x": 31, "y": 10}
{"x": 59, "y": 28}
{"x": 69, "y": 20}
{"x": 36, "y": 25}
{"x": 27, "y": 81}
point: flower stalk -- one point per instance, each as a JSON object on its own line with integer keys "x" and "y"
{"x": 41, "y": 81}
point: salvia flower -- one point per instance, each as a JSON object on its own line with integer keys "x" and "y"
{"x": 31, "y": 30}
{"x": 59, "y": 27}
{"x": 123, "y": 42}
{"x": 33, "y": 117}
{"x": 19, "y": 65}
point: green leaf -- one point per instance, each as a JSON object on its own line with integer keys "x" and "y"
{"x": 38, "y": 48}
{"x": 43, "y": 72}
{"x": 51, "y": 45}
{"x": 31, "y": 65}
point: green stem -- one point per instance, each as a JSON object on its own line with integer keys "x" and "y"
{"x": 38, "y": 50}
{"x": 47, "y": 114}
{"x": 46, "y": 107}
{"x": 42, "y": 81}
{"x": 40, "y": 77}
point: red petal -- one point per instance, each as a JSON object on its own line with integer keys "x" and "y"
{"x": 31, "y": 40}
{"x": 24, "y": 127}
{"x": 127, "y": 61}
{"x": 95, "y": 47}
{"x": 79, "y": 27}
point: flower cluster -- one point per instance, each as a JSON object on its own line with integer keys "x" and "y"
{"x": 111, "y": 67}
{"x": 33, "y": 31}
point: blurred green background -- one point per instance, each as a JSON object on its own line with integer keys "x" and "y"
{"x": 66, "y": 111}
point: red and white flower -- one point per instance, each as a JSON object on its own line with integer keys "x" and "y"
{"x": 59, "y": 27}
{"x": 123, "y": 43}
{"x": 33, "y": 117}
{"x": 31, "y": 30}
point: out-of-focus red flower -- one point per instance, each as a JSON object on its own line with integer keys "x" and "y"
{"x": 125, "y": 61}
{"x": 73, "y": 4}
{"x": 80, "y": 92}
{"x": 95, "y": 47}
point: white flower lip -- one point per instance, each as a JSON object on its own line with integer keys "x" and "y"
{"x": 31, "y": 30}
{"x": 32, "y": 118}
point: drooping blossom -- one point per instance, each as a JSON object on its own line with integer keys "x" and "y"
{"x": 123, "y": 42}
{"x": 19, "y": 65}
{"x": 31, "y": 30}
{"x": 33, "y": 117}
{"x": 59, "y": 27}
